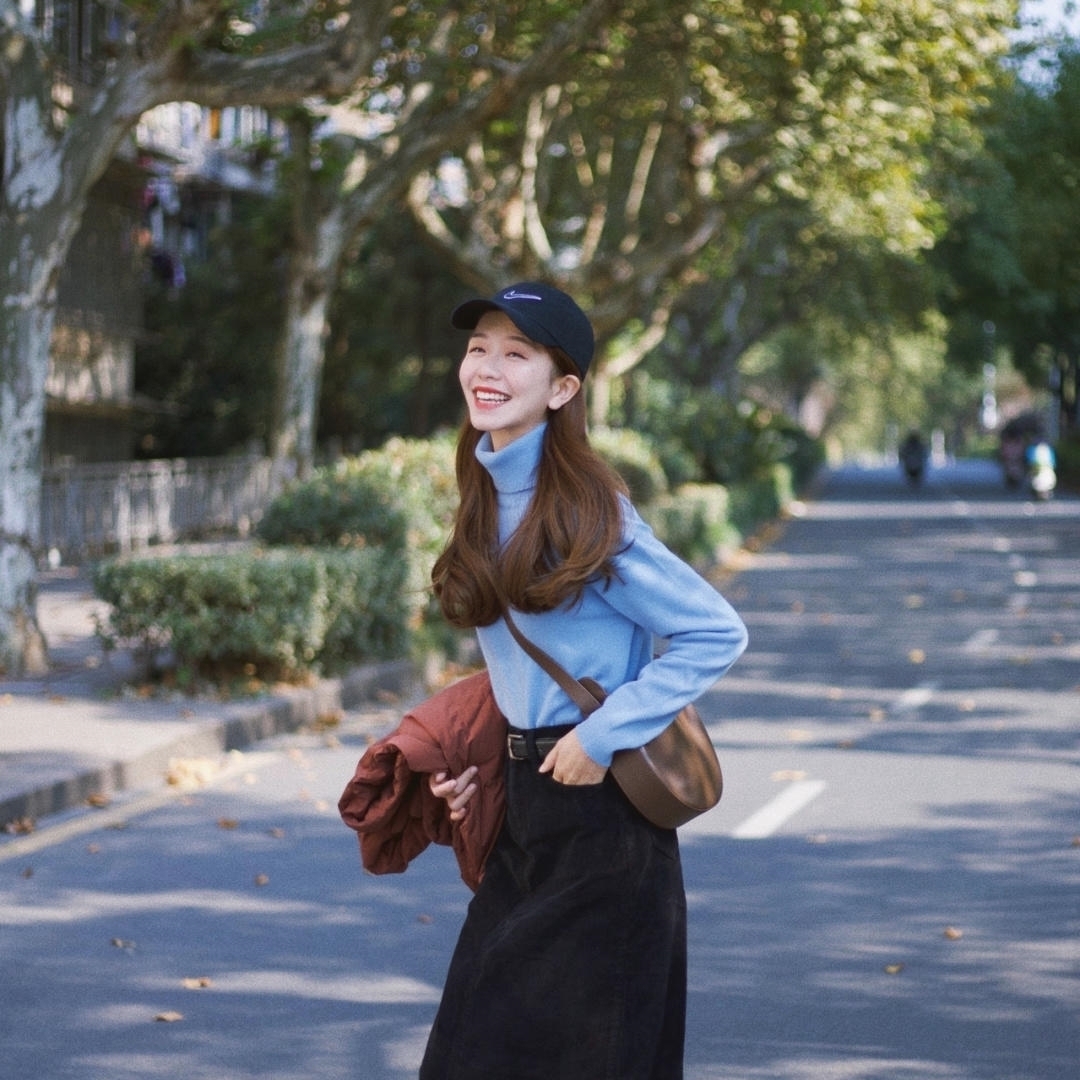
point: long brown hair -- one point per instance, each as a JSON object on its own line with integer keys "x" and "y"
{"x": 568, "y": 536}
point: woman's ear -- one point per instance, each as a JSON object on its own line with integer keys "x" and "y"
{"x": 563, "y": 390}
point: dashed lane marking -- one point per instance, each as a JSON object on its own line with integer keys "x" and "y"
{"x": 777, "y": 811}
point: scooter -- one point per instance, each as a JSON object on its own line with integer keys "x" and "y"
{"x": 1042, "y": 470}
{"x": 913, "y": 459}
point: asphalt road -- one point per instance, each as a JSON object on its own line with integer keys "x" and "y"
{"x": 889, "y": 889}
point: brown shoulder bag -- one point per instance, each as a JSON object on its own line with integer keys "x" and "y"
{"x": 672, "y": 778}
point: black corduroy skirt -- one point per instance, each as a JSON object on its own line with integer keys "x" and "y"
{"x": 571, "y": 964}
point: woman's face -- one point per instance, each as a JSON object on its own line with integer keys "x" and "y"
{"x": 510, "y": 382}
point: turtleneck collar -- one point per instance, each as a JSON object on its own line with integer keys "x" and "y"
{"x": 513, "y": 468}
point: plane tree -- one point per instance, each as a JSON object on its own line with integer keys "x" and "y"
{"x": 59, "y": 130}
{"x": 1010, "y": 263}
{"x": 733, "y": 157}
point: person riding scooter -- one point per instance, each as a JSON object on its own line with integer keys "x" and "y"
{"x": 913, "y": 457}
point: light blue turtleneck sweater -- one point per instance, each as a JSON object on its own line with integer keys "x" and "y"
{"x": 609, "y": 635}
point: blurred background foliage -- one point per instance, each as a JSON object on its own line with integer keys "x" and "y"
{"x": 915, "y": 223}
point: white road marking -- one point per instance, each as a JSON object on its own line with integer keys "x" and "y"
{"x": 981, "y": 639}
{"x": 915, "y": 697}
{"x": 779, "y": 810}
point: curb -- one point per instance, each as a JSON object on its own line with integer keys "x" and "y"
{"x": 238, "y": 728}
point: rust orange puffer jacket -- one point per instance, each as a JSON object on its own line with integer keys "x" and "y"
{"x": 389, "y": 803}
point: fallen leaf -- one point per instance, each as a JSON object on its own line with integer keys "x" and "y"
{"x": 327, "y": 720}
{"x": 228, "y": 823}
{"x": 169, "y": 1017}
{"x": 262, "y": 879}
{"x": 913, "y": 601}
{"x": 93, "y": 849}
{"x": 98, "y": 801}
{"x": 121, "y": 943}
{"x": 953, "y": 934}
{"x": 427, "y": 920}
{"x": 917, "y": 656}
{"x": 191, "y": 772}
{"x": 893, "y": 969}
{"x": 877, "y": 715}
{"x": 201, "y": 983}
{"x": 277, "y": 834}
{"x": 782, "y": 776}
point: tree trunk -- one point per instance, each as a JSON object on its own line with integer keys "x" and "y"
{"x": 25, "y": 330}
{"x": 298, "y": 374}
{"x": 317, "y": 242}
{"x": 40, "y": 208}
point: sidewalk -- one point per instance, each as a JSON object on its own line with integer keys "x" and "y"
{"x": 83, "y": 733}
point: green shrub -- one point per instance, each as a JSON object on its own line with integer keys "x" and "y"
{"x": 633, "y": 457}
{"x": 340, "y": 506}
{"x": 693, "y": 522}
{"x": 277, "y": 614}
{"x": 704, "y": 436}
{"x": 401, "y": 496}
{"x": 753, "y": 503}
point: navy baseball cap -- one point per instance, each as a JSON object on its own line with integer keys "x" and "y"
{"x": 543, "y": 313}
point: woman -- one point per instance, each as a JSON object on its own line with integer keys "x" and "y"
{"x": 571, "y": 964}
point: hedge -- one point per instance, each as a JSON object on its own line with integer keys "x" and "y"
{"x": 400, "y": 497}
{"x": 272, "y": 613}
{"x": 358, "y": 589}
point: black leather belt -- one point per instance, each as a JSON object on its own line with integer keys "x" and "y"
{"x": 532, "y": 745}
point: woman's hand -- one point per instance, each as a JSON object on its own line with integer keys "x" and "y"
{"x": 569, "y": 764}
{"x": 456, "y": 792}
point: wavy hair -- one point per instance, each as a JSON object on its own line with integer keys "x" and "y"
{"x": 568, "y": 537}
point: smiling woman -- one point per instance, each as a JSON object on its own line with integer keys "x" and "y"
{"x": 510, "y": 382}
{"x": 572, "y": 959}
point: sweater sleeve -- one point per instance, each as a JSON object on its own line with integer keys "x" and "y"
{"x": 663, "y": 595}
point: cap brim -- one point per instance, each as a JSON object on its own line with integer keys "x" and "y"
{"x": 466, "y": 316}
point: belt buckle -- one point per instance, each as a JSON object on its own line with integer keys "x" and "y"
{"x": 511, "y": 747}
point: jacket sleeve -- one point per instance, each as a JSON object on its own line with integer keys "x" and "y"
{"x": 389, "y": 802}
{"x": 392, "y": 810}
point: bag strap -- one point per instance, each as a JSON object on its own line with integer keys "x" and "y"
{"x": 577, "y": 693}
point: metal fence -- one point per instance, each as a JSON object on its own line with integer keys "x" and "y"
{"x": 92, "y": 510}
